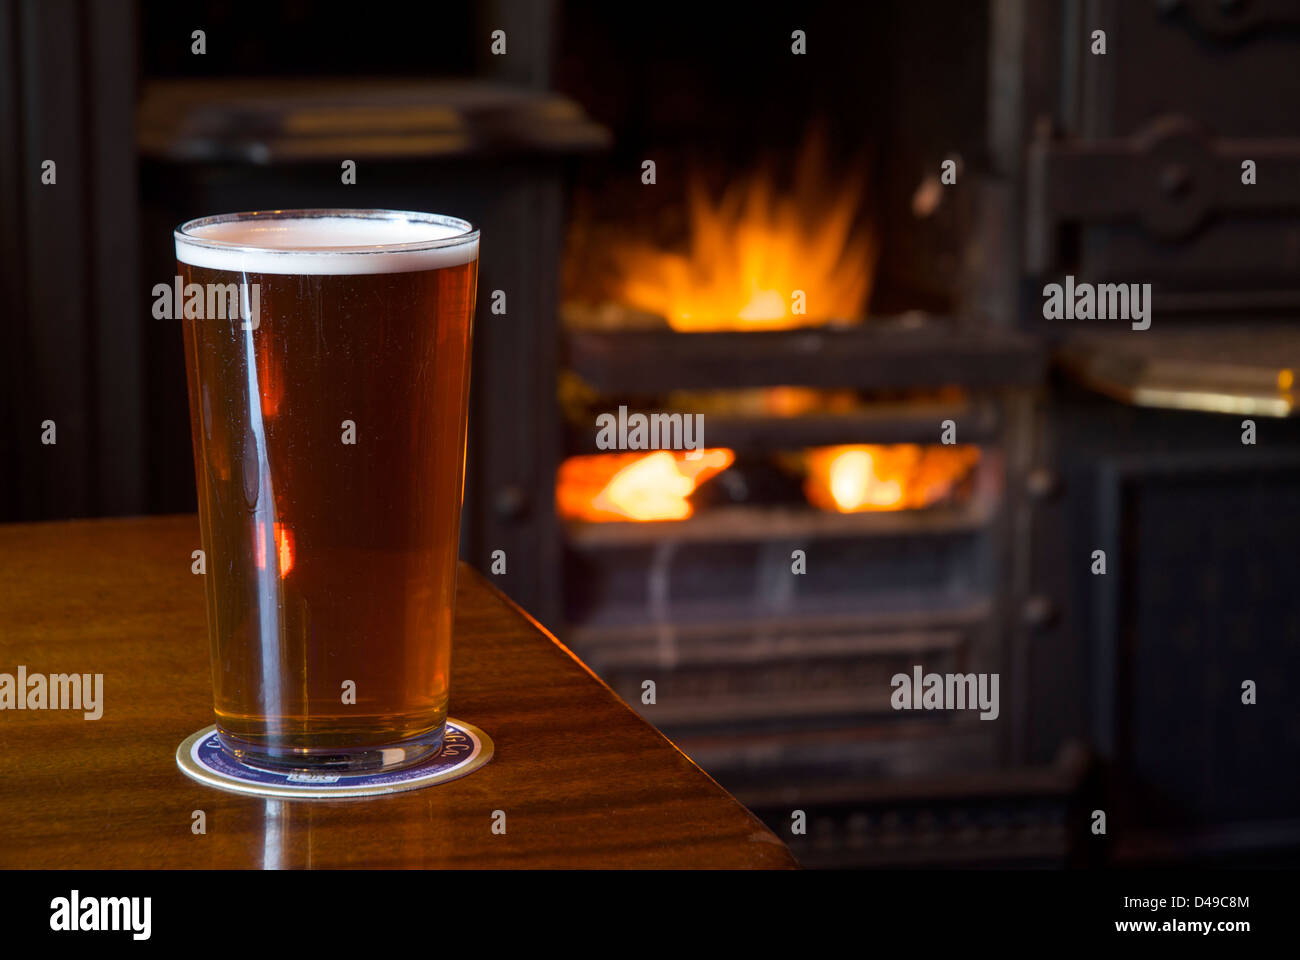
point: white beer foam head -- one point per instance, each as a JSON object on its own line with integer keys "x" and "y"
{"x": 326, "y": 242}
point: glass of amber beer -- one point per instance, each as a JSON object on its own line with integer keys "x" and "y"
{"x": 327, "y": 353}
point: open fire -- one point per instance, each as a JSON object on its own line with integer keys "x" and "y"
{"x": 635, "y": 486}
{"x": 842, "y": 479}
{"x": 757, "y": 259}
{"x": 904, "y": 476}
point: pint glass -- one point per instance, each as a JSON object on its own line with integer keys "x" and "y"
{"x": 327, "y": 353}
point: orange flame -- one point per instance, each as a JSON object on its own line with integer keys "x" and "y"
{"x": 852, "y": 479}
{"x": 751, "y": 252}
{"x": 635, "y": 486}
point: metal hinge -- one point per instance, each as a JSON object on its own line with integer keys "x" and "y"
{"x": 1171, "y": 177}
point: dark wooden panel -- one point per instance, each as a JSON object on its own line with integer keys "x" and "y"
{"x": 67, "y": 90}
{"x": 118, "y": 318}
{"x": 13, "y": 279}
{"x": 59, "y": 385}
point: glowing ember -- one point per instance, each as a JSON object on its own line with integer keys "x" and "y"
{"x": 751, "y": 250}
{"x": 851, "y": 479}
{"x": 635, "y": 486}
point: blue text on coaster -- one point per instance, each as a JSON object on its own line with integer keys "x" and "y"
{"x": 465, "y": 748}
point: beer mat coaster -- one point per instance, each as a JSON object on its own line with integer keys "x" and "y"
{"x": 465, "y": 748}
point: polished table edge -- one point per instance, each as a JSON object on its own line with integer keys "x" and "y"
{"x": 464, "y": 566}
{"x": 480, "y": 581}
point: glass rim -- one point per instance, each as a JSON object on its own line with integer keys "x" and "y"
{"x": 469, "y": 232}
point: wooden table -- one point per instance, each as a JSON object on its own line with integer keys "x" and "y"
{"x": 583, "y": 780}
